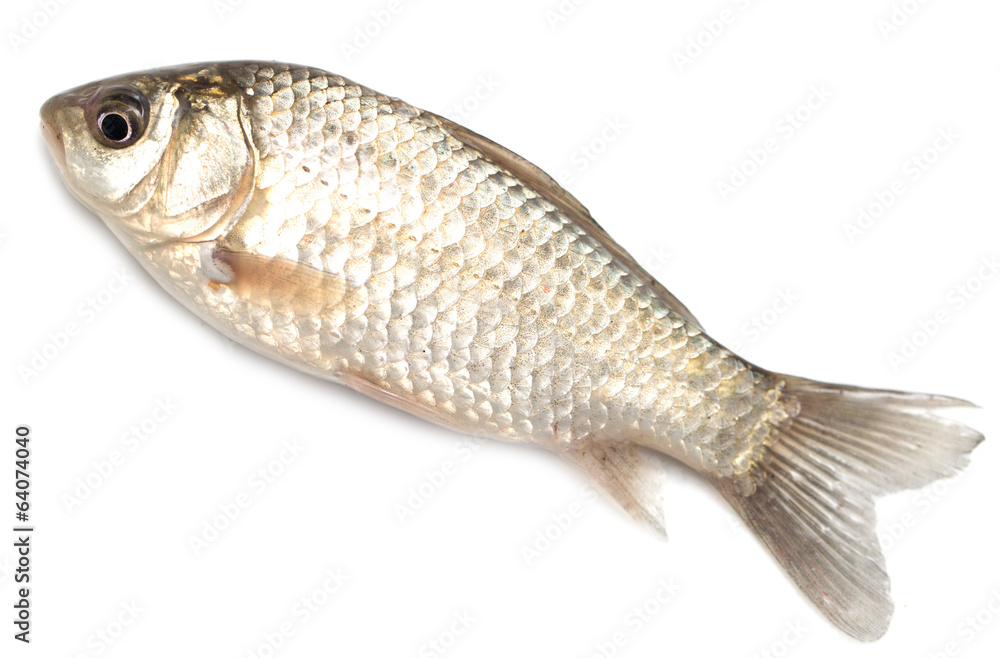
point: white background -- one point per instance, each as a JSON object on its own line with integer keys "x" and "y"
{"x": 550, "y": 88}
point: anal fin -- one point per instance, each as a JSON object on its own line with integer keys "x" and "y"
{"x": 630, "y": 478}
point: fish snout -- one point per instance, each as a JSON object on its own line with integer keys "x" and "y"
{"x": 51, "y": 130}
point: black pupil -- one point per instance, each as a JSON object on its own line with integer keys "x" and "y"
{"x": 115, "y": 127}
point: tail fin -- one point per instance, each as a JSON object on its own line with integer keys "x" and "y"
{"x": 813, "y": 506}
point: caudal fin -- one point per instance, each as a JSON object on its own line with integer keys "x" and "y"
{"x": 813, "y": 507}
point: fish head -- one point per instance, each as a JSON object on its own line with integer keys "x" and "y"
{"x": 162, "y": 156}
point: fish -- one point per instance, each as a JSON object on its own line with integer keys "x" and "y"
{"x": 354, "y": 237}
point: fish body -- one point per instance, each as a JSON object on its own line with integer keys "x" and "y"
{"x": 352, "y": 236}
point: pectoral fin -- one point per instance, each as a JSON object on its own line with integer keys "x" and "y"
{"x": 278, "y": 282}
{"x": 625, "y": 474}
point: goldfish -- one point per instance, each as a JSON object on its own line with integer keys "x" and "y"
{"x": 354, "y": 237}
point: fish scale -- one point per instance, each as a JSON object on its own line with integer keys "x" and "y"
{"x": 354, "y": 237}
{"x": 536, "y": 333}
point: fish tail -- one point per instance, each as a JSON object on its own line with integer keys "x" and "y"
{"x": 813, "y": 506}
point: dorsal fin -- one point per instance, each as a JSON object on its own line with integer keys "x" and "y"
{"x": 566, "y": 202}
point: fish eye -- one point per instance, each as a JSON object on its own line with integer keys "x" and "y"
{"x": 120, "y": 117}
{"x": 115, "y": 126}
